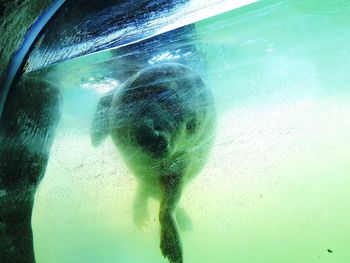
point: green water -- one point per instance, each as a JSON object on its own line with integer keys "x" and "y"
{"x": 275, "y": 188}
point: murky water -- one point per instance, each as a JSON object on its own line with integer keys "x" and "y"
{"x": 275, "y": 187}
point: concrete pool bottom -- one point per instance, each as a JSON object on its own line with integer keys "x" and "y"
{"x": 274, "y": 188}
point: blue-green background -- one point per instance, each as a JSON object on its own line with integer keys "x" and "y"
{"x": 276, "y": 186}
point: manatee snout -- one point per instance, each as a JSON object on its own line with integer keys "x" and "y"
{"x": 153, "y": 139}
{"x": 153, "y": 130}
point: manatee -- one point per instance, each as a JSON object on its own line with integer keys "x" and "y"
{"x": 162, "y": 122}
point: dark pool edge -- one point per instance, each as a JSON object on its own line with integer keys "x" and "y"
{"x": 19, "y": 57}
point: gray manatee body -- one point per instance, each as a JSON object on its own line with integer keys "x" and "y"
{"x": 162, "y": 121}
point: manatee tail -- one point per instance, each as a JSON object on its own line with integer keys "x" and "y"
{"x": 170, "y": 243}
{"x": 100, "y": 123}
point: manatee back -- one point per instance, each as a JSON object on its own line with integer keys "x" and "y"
{"x": 174, "y": 87}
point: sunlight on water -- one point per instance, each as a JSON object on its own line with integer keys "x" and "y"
{"x": 275, "y": 187}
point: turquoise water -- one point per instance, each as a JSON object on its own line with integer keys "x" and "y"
{"x": 275, "y": 188}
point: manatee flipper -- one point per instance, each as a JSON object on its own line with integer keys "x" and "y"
{"x": 170, "y": 243}
{"x": 100, "y": 123}
{"x": 183, "y": 219}
{"x": 140, "y": 208}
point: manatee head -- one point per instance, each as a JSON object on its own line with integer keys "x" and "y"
{"x": 157, "y": 107}
{"x": 157, "y": 111}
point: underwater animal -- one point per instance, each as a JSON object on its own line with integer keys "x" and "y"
{"x": 162, "y": 122}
